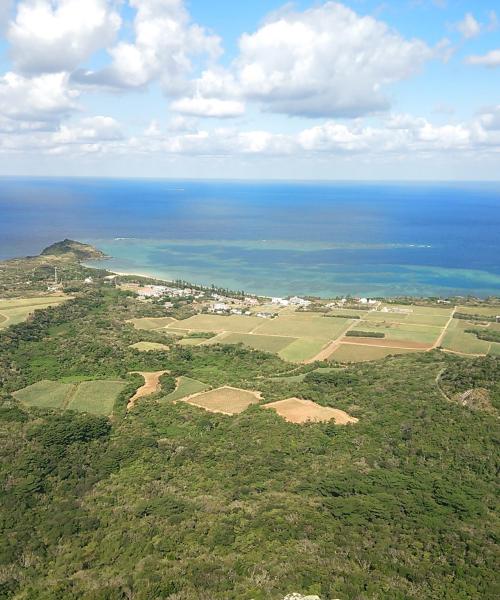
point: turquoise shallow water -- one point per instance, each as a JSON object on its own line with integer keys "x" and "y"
{"x": 271, "y": 238}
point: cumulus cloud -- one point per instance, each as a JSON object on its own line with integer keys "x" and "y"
{"x": 165, "y": 43}
{"x": 490, "y": 60}
{"x": 90, "y": 129}
{"x": 208, "y": 107}
{"x": 5, "y": 8}
{"x": 49, "y": 36}
{"x": 325, "y": 61}
{"x": 490, "y": 118}
{"x": 468, "y": 26}
{"x": 42, "y": 98}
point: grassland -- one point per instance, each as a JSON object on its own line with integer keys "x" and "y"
{"x": 226, "y": 400}
{"x": 186, "y": 386}
{"x": 96, "y": 397}
{"x": 149, "y": 346}
{"x": 17, "y": 310}
{"x": 457, "y": 340}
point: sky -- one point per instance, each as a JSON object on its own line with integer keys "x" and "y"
{"x": 309, "y": 90}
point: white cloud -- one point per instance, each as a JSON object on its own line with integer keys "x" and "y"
{"x": 208, "y": 107}
{"x": 89, "y": 130}
{"x": 42, "y": 98}
{"x": 326, "y": 61}
{"x": 490, "y": 118}
{"x": 5, "y": 8}
{"x": 469, "y": 27}
{"x": 164, "y": 45}
{"x": 491, "y": 59}
{"x": 49, "y": 36}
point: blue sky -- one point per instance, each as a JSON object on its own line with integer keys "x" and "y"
{"x": 360, "y": 89}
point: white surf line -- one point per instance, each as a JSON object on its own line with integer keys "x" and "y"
{"x": 443, "y": 333}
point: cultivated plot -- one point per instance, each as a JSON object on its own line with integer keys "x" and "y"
{"x": 14, "y": 311}
{"x": 457, "y": 340}
{"x": 46, "y": 394}
{"x": 149, "y": 346}
{"x": 150, "y": 323}
{"x": 226, "y": 400}
{"x": 297, "y": 410}
{"x": 218, "y": 323}
{"x": 186, "y": 386}
{"x": 96, "y": 397}
{"x": 360, "y": 353}
{"x": 267, "y": 343}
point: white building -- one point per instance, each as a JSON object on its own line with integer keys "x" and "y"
{"x": 280, "y": 301}
{"x": 296, "y": 301}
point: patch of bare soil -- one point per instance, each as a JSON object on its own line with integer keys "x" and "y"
{"x": 151, "y": 385}
{"x": 384, "y": 343}
{"x": 297, "y": 410}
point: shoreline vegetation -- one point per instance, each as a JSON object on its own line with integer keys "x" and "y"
{"x": 166, "y": 440}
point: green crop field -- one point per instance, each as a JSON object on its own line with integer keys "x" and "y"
{"x": 46, "y": 394}
{"x": 302, "y": 349}
{"x": 358, "y": 353}
{"x": 457, "y": 340}
{"x": 305, "y": 325}
{"x": 191, "y": 341}
{"x": 149, "y": 323}
{"x": 424, "y": 334}
{"x": 18, "y": 310}
{"x": 148, "y": 346}
{"x": 96, "y": 397}
{"x": 488, "y": 311}
{"x": 185, "y": 387}
{"x": 267, "y": 343}
{"x": 215, "y": 323}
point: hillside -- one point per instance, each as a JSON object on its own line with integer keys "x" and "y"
{"x": 167, "y": 500}
{"x": 73, "y": 250}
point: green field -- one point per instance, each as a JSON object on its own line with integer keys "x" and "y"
{"x": 306, "y": 325}
{"x": 149, "y": 323}
{"x": 96, "y": 397}
{"x": 217, "y": 323}
{"x": 149, "y": 346}
{"x": 424, "y": 334}
{"x": 185, "y": 387}
{"x": 191, "y": 341}
{"x": 457, "y": 340}
{"x": 302, "y": 349}
{"x": 46, "y": 394}
{"x": 487, "y": 311}
{"x": 358, "y": 353}
{"x": 18, "y": 310}
{"x": 266, "y": 343}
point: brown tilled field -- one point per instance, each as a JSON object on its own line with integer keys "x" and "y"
{"x": 297, "y": 410}
{"x": 226, "y": 400}
{"x": 151, "y": 385}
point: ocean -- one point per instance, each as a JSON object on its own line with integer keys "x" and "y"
{"x": 323, "y": 239}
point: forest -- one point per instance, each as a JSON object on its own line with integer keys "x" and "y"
{"x": 171, "y": 502}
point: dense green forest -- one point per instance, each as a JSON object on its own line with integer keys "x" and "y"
{"x": 170, "y": 502}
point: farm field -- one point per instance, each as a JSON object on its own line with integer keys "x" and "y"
{"x": 18, "y": 310}
{"x": 187, "y": 341}
{"x": 218, "y": 323}
{"x": 423, "y": 334}
{"x": 148, "y": 346}
{"x": 297, "y": 410}
{"x": 360, "y": 353}
{"x": 46, "y": 394}
{"x": 488, "y": 311}
{"x": 96, "y": 397}
{"x": 267, "y": 343}
{"x": 457, "y": 340}
{"x": 185, "y": 387}
{"x": 302, "y": 349}
{"x": 304, "y": 325}
{"x": 226, "y": 400}
{"x": 149, "y": 323}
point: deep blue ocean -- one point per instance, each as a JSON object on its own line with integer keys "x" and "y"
{"x": 324, "y": 239}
